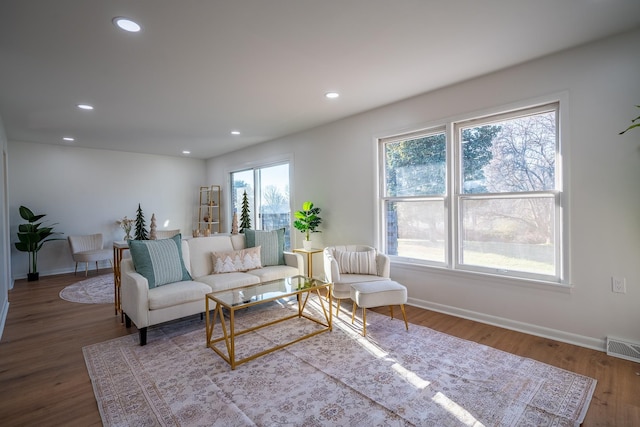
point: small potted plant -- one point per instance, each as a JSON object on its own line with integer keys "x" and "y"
{"x": 307, "y": 221}
{"x": 32, "y": 236}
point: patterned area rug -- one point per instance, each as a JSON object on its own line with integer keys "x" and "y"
{"x": 339, "y": 378}
{"x": 96, "y": 290}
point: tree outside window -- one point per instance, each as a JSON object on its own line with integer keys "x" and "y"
{"x": 492, "y": 208}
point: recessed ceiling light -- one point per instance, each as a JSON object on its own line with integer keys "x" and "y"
{"x": 235, "y": 132}
{"x": 85, "y": 106}
{"x": 332, "y": 95}
{"x": 68, "y": 139}
{"x": 126, "y": 24}
{"x": 186, "y": 152}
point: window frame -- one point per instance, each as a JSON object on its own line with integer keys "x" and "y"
{"x": 455, "y": 197}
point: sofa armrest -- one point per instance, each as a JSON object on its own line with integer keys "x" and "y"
{"x": 383, "y": 265}
{"x": 294, "y": 260}
{"x": 134, "y": 294}
{"x": 331, "y": 268}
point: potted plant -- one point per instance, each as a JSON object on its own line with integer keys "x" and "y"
{"x": 307, "y": 221}
{"x": 634, "y": 125}
{"x": 32, "y": 236}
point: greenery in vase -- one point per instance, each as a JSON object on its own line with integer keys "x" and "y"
{"x": 141, "y": 231}
{"x": 307, "y": 220}
{"x": 33, "y": 235}
{"x": 126, "y": 224}
{"x": 245, "y": 219}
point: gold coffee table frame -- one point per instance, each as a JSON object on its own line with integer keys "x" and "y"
{"x": 240, "y": 298}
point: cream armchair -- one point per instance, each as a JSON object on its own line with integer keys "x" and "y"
{"x": 346, "y": 265}
{"x": 88, "y": 248}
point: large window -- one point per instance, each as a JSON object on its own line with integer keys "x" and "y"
{"x": 480, "y": 195}
{"x": 267, "y": 191}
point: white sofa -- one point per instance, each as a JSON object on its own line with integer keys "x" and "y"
{"x": 146, "y": 307}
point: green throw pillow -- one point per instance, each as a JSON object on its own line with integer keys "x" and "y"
{"x": 271, "y": 243}
{"x": 159, "y": 261}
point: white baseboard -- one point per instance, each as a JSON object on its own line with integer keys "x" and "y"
{"x": 92, "y": 271}
{"x": 554, "y": 334}
{"x": 4, "y": 312}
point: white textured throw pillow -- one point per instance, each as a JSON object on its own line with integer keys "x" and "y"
{"x": 242, "y": 260}
{"x": 356, "y": 262}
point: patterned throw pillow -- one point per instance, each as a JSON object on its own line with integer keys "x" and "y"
{"x": 272, "y": 243}
{"x": 242, "y": 260}
{"x": 351, "y": 262}
{"x": 159, "y": 261}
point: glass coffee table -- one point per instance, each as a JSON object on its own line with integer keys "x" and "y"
{"x": 239, "y": 298}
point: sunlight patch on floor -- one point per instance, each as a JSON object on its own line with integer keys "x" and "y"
{"x": 410, "y": 377}
{"x": 456, "y": 410}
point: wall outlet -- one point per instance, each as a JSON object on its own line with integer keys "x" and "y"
{"x": 619, "y": 285}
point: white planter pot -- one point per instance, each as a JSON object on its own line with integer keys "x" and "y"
{"x": 306, "y": 244}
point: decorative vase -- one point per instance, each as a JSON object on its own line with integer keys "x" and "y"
{"x": 127, "y": 237}
{"x": 306, "y": 244}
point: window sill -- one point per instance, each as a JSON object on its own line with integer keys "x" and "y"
{"x": 484, "y": 278}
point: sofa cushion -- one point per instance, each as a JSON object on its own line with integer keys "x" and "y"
{"x": 271, "y": 242}
{"x": 222, "y": 282}
{"x": 242, "y": 260}
{"x": 159, "y": 261}
{"x": 177, "y": 293}
{"x": 274, "y": 272}
{"x": 356, "y": 262}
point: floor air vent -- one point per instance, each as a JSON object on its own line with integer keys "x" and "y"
{"x": 623, "y": 350}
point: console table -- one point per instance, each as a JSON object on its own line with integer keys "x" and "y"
{"x": 118, "y": 249}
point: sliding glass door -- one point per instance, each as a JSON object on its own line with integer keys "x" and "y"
{"x": 267, "y": 190}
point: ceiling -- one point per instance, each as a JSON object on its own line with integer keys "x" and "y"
{"x": 200, "y": 69}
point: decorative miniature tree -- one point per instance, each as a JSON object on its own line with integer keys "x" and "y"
{"x": 245, "y": 219}
{"x": 152, "y": 228}
{"x": 234, "y": 223}
{"x": 141, "y": 232}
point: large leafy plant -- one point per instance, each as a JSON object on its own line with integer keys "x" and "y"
{"x": 32, "y": 235}
{"x": 307, "y": 219}
{"x": 634, "y": 125}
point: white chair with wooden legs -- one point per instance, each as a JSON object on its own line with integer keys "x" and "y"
{"x": 89, "y": 248}
{"x": 377, "y": 294}
{"x": 350, "y": 264}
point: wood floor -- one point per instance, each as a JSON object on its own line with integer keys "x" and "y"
{"x": 44, "y": 380}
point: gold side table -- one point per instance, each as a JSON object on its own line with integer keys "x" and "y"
{"x": 309, "y": 254}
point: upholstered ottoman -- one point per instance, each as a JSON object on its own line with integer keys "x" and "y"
{"x": 377, "y": 294}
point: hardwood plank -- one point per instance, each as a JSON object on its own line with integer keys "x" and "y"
{"x": 44, "y": 380}
{"x": 43, "y": 377}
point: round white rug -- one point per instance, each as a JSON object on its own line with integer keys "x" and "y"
{"x": 96, "y": 290}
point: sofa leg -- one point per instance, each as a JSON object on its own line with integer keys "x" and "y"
{"x": 127, "y": 321}
{"x": 143, "y": 336}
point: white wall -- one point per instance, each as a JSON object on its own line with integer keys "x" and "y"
{"x": 5, "y": 265}
{"x": 86, "y": 191}
{"x": 335, "y": 167}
